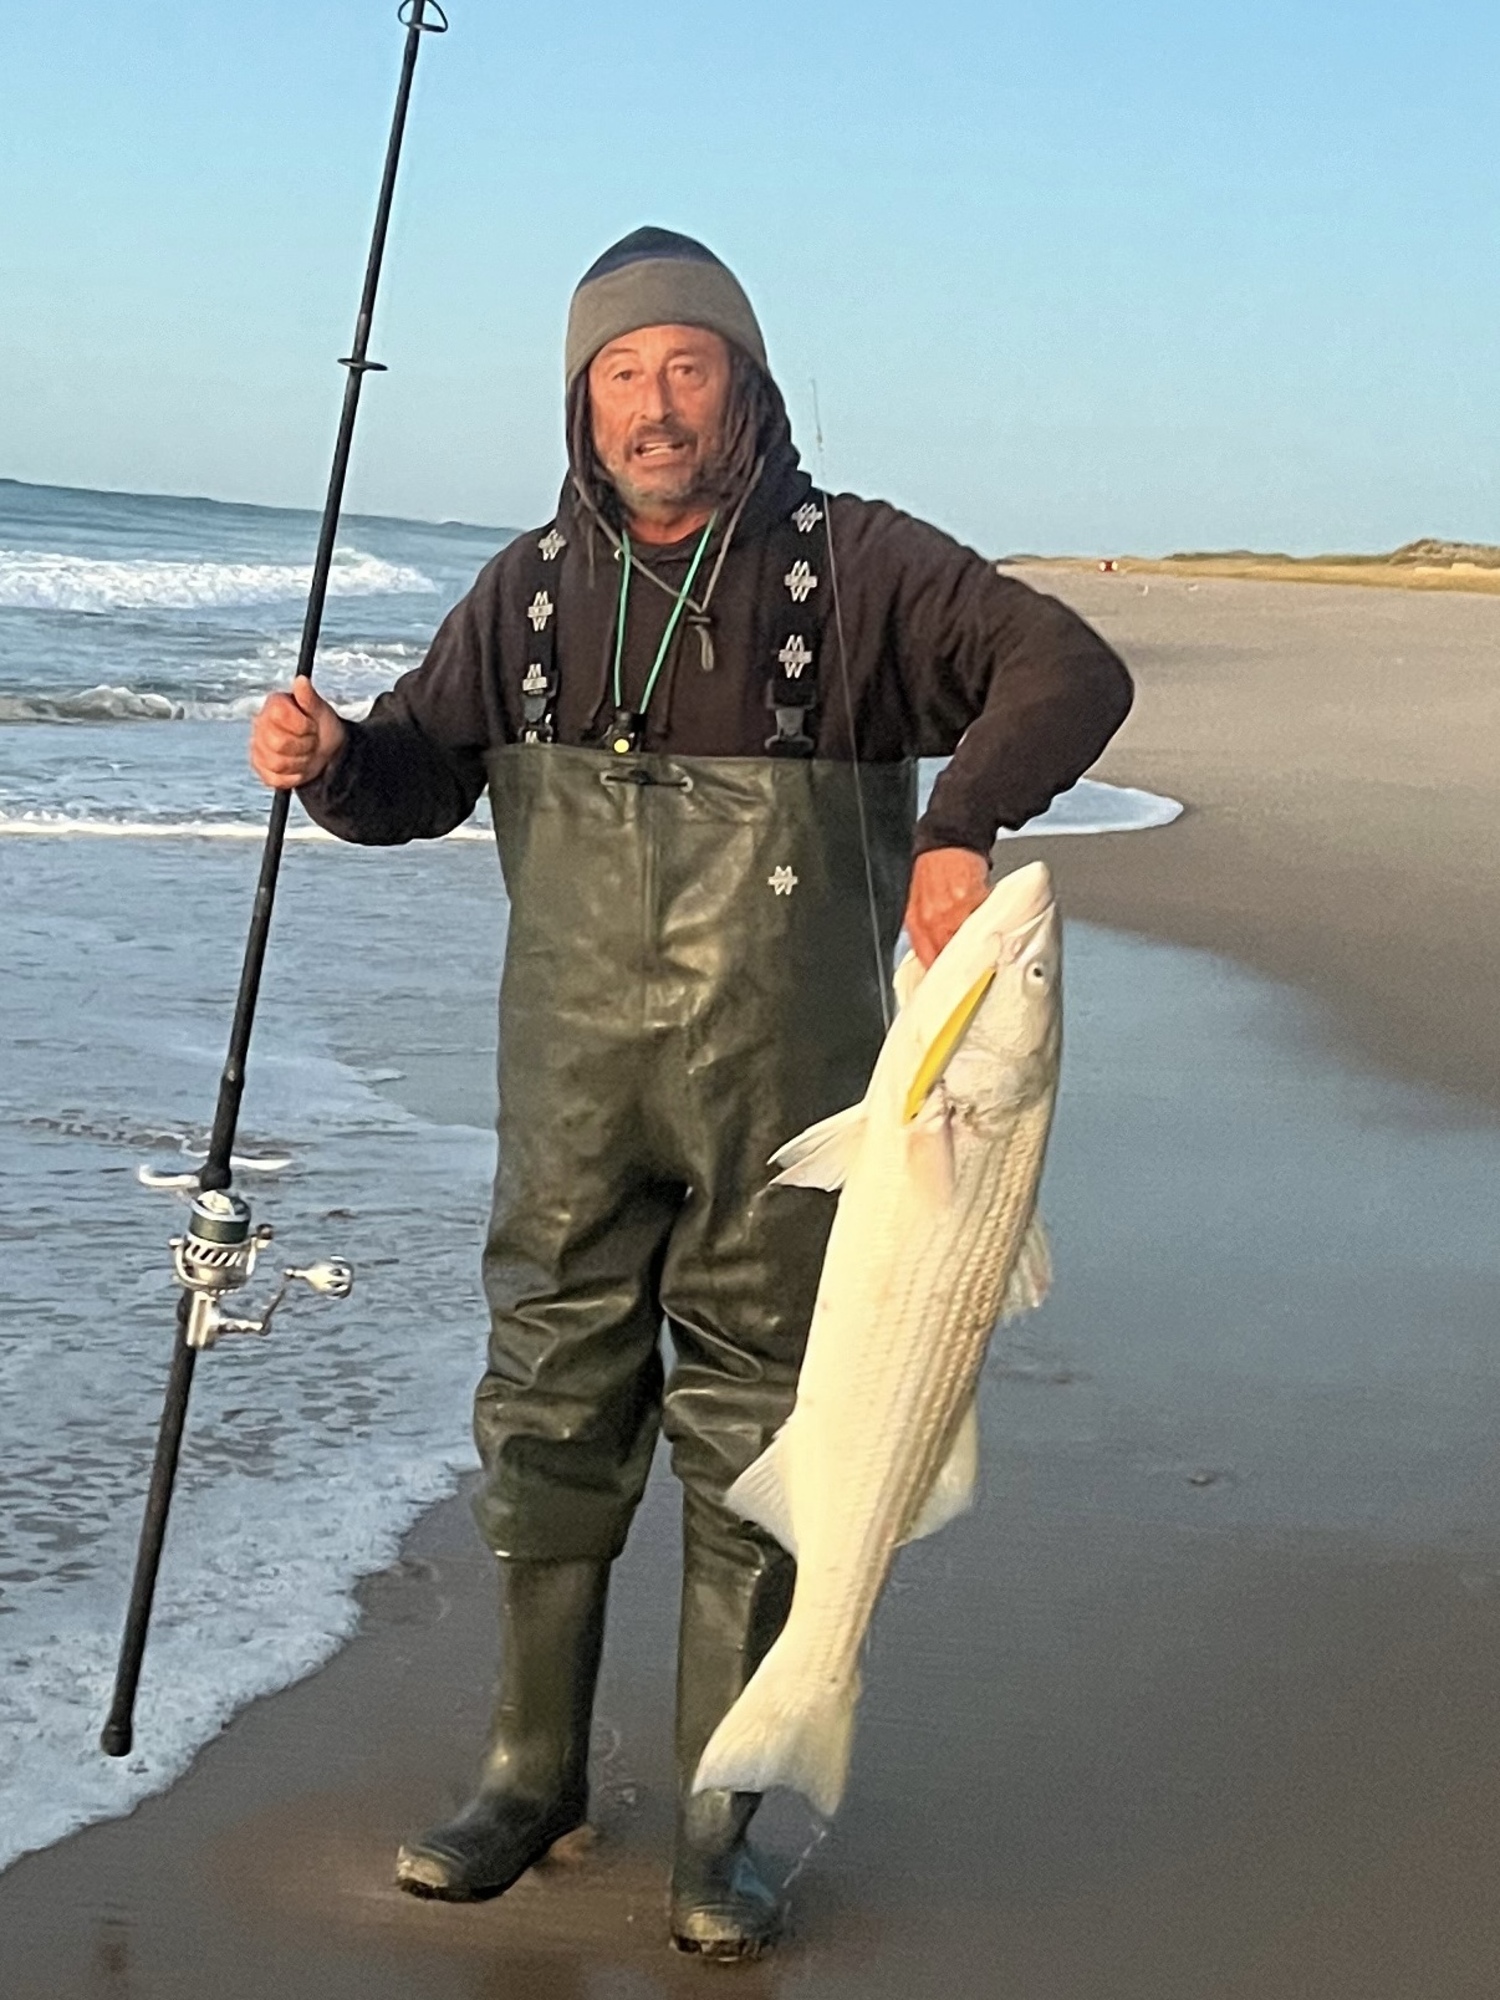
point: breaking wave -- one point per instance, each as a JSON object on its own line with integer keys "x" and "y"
{"x": 348, "y": 676}
{"x": 42, "y": 580}
{"x": 121, "y": 704}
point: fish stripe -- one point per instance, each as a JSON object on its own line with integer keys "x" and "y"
{"x": 995, "y": 1188}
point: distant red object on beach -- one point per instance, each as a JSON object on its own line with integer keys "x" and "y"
{"x": 1108, "y": 563}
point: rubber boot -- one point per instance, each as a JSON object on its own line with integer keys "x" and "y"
{"x": 736, "y": 1592}
{"x": 533, "y": 1785}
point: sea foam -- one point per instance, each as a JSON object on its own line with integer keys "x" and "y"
{"x": 307, "y": 1455}
{"x": 81, "y": 826}
{"x": 47, "y": 580}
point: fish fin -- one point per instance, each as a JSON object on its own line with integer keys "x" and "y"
{"x": 761, "y": 1494}
{"x": 1031, "y": 1280}
{"x": 952, "y": 1492}
{"x": 787, "y": 1728}
{"x": 908, "y": 977}
{"x": 929, "y": 1152}
{"x": 822, "y": 1155}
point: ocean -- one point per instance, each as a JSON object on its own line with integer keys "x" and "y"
{"x": 138, "y": 635}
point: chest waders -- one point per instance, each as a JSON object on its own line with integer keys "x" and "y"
{"x": 690, "y": 979}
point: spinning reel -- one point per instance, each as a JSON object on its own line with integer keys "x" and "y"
{"x": 217, "y": 1256}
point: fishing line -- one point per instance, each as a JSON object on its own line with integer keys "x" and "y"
{"x": 882, "y": 970}
{"x": 821, "y": 1828}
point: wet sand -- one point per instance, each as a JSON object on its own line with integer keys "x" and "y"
{"x": 1339, "y": 751}
{"x": 1200, "y": 1700}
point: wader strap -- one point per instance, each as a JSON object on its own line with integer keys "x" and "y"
{"x": 793, "y": 630}
{"x": 802, "y": 593}
{"x": 539, "y": 680}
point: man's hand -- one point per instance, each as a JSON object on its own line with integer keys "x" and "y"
{"x": 947, "y": 885}
{"x": 295, "y": 738}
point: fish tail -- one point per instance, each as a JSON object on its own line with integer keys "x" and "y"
{"x": 788, "y": 1729}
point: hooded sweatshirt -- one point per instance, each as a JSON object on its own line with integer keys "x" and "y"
{"x": 933, "y": 653}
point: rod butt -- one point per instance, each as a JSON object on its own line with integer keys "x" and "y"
{"x": 116, "y": 1738}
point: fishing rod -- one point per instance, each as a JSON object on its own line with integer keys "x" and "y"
{"x": 218, "y": 1253}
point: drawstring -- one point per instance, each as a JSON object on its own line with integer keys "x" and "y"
{"x": 698, "y": 614}
{"x": 699, "y": 617}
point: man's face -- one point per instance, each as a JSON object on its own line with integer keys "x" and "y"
{"x": 657, "y": 398}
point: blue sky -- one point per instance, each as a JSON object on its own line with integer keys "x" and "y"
{"x": 1137, "y": 276}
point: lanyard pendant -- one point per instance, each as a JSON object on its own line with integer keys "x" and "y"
{"x": 624, "y": 733}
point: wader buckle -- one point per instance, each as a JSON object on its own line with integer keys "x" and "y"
{"x": 791, "y": 738}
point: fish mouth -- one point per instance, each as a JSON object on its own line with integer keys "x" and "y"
{"x": 1020, "y": 900}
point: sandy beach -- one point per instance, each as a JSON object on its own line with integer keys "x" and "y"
{"x": 1337, "y": 752}
{"x": 1200, "y": 1700}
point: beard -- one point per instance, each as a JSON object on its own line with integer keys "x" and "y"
{"x": 722, "y": 473}
{"x": 695, "y": 477}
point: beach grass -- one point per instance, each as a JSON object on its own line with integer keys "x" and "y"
{"x": 1427, "y": 564}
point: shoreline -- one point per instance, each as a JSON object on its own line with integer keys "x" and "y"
{"x": 1214, "y": 1714}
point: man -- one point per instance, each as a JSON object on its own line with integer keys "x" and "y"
{"x": 695, "y": 696}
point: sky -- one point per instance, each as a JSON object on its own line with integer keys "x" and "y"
{"x": 1068, "y": 276}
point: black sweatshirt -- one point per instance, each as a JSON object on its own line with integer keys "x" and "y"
{"x": 940, "y": 654}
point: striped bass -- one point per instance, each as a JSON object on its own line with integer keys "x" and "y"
{"x": 935, "y": 1238}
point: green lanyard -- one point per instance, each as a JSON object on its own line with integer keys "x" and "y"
{"x": 625, "y": 729}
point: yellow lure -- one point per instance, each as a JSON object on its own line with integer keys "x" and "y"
{"x": 944, "y": 1043}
